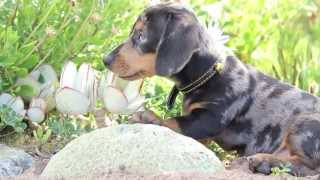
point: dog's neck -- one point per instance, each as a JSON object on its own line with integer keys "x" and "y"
{"x": 200, "y": 69}
{"x": 199, "y": 64}
{"x": 210, "y": 53}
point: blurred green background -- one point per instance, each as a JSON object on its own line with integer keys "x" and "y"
{"x": 279, "y": 37}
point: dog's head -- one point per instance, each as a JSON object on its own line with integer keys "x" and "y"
{"x": 162, "y": 41}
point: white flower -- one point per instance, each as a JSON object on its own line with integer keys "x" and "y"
{"x": 50, "y": 31}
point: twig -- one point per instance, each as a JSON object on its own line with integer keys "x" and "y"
{"x": 8, "y": 134}
{"x": 10, "y": 22}
{"x": 34, "y": 49}
{"x": 79, "y": 31}
{"x": 43, "y": 59}
{"x": 96, "y": 30}
{"x": 276, "y": 72}
{"x": 41, "y": 22}
{"x": 39, "y": 153}
{"x": 14, "y": 14}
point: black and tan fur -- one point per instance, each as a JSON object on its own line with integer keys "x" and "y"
{"x": 240, "y": 108}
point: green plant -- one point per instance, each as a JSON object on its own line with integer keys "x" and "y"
{"x": 9, "y": 117}
{"x": 41, "y": 135}
{"x": 281, "y": 170}
{"x": 221, "y": 153}
{"x": 33, "y": 32}
{"x": 156, "y": 91}
{"x": 277, "y": 37}
{"x": 67, "y": 126}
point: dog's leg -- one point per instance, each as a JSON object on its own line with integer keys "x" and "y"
{"x": 263, "y": 163}
{"x": 149, "y": 117}
{"x": 199, "y": 124}
{"x": 300, "y": 150}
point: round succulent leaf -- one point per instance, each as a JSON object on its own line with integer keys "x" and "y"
{"x": 47, "y": 93}
{"x": 135, "y": 105}
{"x": 29, "y": 87}
{"x": 132, "y": 90}
{"x": 68, "y": 75}
{"x": 48, "y": 73}
{"x": 102, "y": 85}
{"x": 91, "y": 85}
{"x": 17, "y": 105}
{"x": 36, "y": 114}
{"x": 120, "y": 83}
{"x": 35, "y": 74}
{"x": 71, "y": 101}
{"x": 38, "y": 103}
{"x": 82, "y": 78}
{"x": 5, "y": 98}
{"x": 93, "y": 95}
{"x": 110, "y": 77}
{"x": 114, "y": 100}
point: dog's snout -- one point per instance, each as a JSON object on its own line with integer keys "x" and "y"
{"x": 108, "y": 59}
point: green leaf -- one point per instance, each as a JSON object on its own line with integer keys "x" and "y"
{"x": 30, "y": 62}
{"x": 11, "y": 35}
{"x": 26, "y": 91}
{"x": 5, "y": 60}
{"x": 41, "y": 79}
{"x": 21, "y": 72}
{"x": 10, "y": 118}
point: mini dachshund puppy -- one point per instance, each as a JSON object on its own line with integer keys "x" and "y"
{"x": 240, "y": 108}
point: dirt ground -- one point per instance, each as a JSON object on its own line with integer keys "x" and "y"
{"x": 238, "y": 171}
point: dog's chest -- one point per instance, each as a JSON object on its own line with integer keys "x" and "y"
{"x": 236, "y": 136}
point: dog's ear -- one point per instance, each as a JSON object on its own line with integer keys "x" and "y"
{"x": 178, "y": 42}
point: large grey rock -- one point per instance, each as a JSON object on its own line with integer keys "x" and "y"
{"x": 137, "y": 148}
{"x": 13, "y": 161}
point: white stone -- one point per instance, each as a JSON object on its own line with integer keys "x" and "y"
{"x": 13, "y": 161}
{"x": 138, "y": 148}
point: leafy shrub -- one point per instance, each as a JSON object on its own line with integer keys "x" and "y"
{"x": 36, "y": 31}
{"x": 66, "y": 126}
{"x": 156, "y": 91}
{"x": 33, "y": 32}
{"x": 278, "y": 37}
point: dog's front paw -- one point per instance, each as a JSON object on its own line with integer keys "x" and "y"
{"x": 145, "y": 117}
{"x": 263, "y": 163}
{"x": 259, "y": 165}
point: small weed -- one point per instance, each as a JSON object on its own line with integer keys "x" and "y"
{"x": 281, "y": 170}
{"x": 67, "y": 126}
{"x": 42, "y": 135}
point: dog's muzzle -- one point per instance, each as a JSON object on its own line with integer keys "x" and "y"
{"x": 108, "y": 60}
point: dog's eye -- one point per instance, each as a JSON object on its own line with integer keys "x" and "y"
{"x": 137, "y": 37}
{"x": 140, "y": 35}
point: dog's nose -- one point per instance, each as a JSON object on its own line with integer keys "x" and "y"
{"x": 108, "y": 59}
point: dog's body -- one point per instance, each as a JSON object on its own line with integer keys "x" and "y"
{"x": 240, "y": 108}
{"x": 253, "y": 111}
